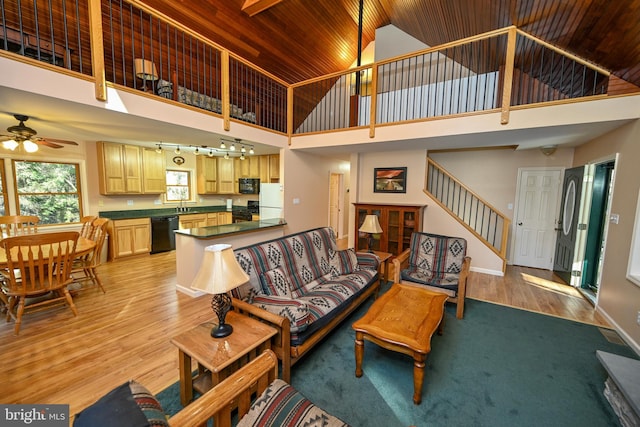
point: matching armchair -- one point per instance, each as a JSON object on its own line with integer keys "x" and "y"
{"x": 436, "y": 262}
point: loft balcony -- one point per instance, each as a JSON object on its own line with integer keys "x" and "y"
{"x": 133, "y": 48}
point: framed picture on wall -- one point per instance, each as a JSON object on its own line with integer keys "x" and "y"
{"x": 390, "y": 180}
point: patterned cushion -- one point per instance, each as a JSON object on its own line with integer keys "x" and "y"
{"x": 276, "y": 282}
{"x": 294, "y": 310}
{"x": 129, "y": 405}
{"x": 343, "y": 262}
{"x": 435, "y": 253}
{"x": 282, "y": 405}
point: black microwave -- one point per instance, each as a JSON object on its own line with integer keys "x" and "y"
{"x": 249, "y": 185}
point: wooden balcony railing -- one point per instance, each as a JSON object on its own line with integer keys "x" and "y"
{"x": 135, "y": 47}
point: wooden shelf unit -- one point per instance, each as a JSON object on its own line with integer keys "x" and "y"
{"x": 397, "y": 222}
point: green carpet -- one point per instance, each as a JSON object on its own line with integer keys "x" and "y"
{"x": 497, "y": 367}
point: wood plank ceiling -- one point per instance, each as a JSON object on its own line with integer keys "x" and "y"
{"x": 300, "y": 39}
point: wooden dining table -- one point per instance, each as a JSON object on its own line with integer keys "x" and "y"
{"x": 83, "y": 247}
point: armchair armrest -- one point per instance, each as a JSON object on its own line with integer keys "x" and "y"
{"x": 281, "y": 342}
{"x": 400, "y": 262}
{"x": 234, "y": 392}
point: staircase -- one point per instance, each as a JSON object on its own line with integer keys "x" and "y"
{"x": 488, "y": 224}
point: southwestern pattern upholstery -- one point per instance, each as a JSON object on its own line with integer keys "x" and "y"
{"x": 304, "y": 279}
{"x": 437, "y": 262}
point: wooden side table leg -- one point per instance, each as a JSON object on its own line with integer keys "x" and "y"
{"x": 418, "y": 377}
{"x": 359, "y": 347}
{"x": 186, "y": 381}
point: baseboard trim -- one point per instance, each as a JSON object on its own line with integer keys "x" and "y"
{"x": 487, "y": 271}
{"x": 189, "y": 291}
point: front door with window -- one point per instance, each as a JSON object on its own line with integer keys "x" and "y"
{"x": 568, "y": 223}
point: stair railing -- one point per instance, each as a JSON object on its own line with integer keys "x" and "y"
{"x": 477, "y": 215}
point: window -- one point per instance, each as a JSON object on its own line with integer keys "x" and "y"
{"x": 178, "y": 185}
{"x": 3, "y": 190}
{"x": 50, "y": 191}
{"x": 633, "y": 269}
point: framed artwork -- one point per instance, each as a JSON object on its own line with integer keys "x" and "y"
{"x": 390, "y": 180}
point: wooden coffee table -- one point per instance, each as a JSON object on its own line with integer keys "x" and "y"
{"x": 402, "y": 320}
{"x": 218, "y": 357}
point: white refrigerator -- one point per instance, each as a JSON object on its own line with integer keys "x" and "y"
{"x": 270, "y": 201}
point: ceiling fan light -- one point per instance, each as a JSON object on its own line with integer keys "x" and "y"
{"x": 10, "y": 144}
{"x": 30, "y": 146}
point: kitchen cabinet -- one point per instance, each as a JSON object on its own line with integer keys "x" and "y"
{"x": 119, "y": 168}
{"x": 192, "y": 221}
{"x": 269, "y": 168}
{"x": 207, "y": 175}
{"x": 397, "y": 223}
{"x": 224, "y": 218}
{"x": 226, "y": 179}
{"x": 130, "y": 237}
{"x": 129, "y": 169}
{"x": 153, "y": 171}
{"x": 247, "y": 168}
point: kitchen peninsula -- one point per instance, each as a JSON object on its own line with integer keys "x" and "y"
{"x": 190, "y": 244}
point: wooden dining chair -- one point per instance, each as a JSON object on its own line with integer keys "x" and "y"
{"x": 39, "y": 270}
{"x": 85, "y": 268}
{"x": 15, "y": 225}
{"x": 87, "y": 228}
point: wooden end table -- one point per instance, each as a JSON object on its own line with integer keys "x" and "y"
{"x": 384, "y": 265}
{"x": 218, "y": 357}
{"x": 403, "y": 320}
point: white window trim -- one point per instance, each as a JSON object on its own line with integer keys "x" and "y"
{"x": 633, "y": 269}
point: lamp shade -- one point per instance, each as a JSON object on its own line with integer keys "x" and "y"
{"x": 145, "y": 69}
{"x": 371, "y": 225}
{"x": 220, "y": 271}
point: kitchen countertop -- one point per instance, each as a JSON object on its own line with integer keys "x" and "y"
{"x": 240, "y": 227}
{"x": 154, "y": 213}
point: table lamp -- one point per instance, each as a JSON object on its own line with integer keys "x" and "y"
{"x": 145, "y": 70}
{"x": 219, "y": 273}
{"x": 371, "y": 226}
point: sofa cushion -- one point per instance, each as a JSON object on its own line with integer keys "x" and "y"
{"x": 276, "y": 282}
{"x": 128, "y": 405}
{"x": 442, "y": 280}
{"x": 282, "y": 405}
{"x": 295, "y": 310}
{"x": 435, "y": 253}
{"x": 343, "y": 262}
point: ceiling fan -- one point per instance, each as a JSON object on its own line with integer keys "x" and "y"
{"x": 22, "y": 135}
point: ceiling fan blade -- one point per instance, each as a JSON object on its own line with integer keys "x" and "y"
{"x": 58, "y": 141}
{"x": 48, "y": 143}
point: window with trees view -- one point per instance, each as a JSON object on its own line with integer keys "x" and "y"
{"x": 50, "y": 191}
{"x": 178, "y": 185}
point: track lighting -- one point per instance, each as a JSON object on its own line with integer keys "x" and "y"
{"x": 223, "y": 145}
{"x": 210, "y": 153}
{"x": 233, "y": 147}
{"x": 251, "y": 150}
{"x": 177, "y": 150}
{"x": 159, "y": 149}
{"x": 196, "y": 151}
{"x": 226, "y": 156}
{"x": 243, "y": 150}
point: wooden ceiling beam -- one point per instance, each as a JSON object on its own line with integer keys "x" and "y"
{"x": 253, "y": 7}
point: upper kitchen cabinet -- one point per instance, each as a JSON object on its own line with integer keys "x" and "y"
{"x": 154, "y": 167}
{"x": 119, "y": 168}
{"x": 207, "y": 174}
{"x": 129, "y": 169}
{"x": 270, "y": 168}
{"x": 226, "y": 179}
{"x": 247, "y": 168}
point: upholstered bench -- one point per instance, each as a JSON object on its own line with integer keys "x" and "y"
{"x": 254, "y": 390}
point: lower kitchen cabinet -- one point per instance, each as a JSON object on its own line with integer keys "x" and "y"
{"x": 130, "y": 237}
{"x": 192, "y": 221}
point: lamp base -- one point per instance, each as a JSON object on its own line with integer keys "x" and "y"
{"x": 221, "y": 331}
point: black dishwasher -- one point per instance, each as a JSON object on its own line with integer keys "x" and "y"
{"x": 163, "y": 238}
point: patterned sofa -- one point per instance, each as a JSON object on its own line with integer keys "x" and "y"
{"x": 186, "y": 96}
{"x": 303, "y": 286}
{"x": 436, "y": 262}
{"x": 251, "y": 396}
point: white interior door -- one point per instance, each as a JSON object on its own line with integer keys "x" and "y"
{"x": 536, "y": 217}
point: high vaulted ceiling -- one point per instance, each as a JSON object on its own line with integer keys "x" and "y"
{"x": 300, "y": 39}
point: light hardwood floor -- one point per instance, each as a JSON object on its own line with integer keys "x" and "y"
{"x": 124, "y": 334}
